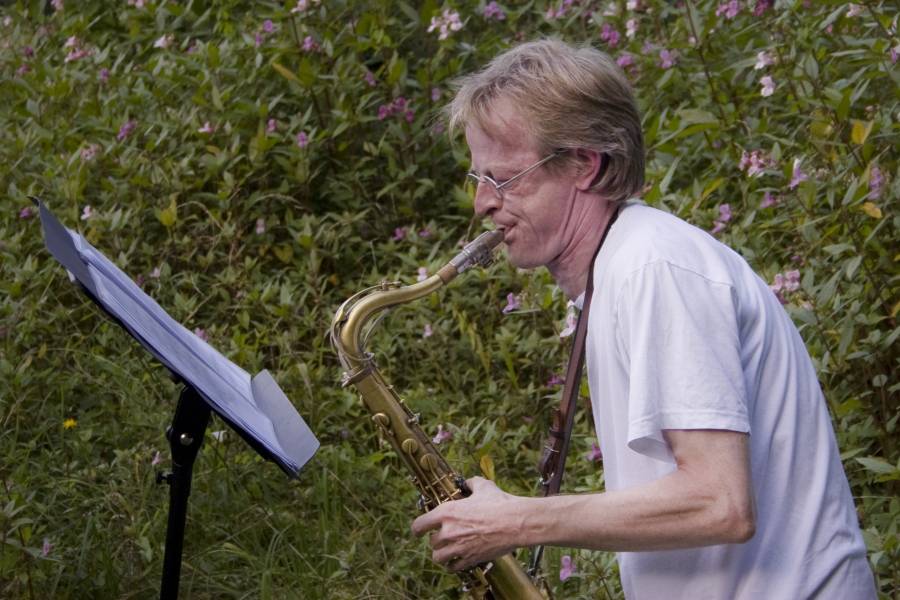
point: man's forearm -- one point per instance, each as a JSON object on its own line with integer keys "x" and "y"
{"x": 672, "y": 512}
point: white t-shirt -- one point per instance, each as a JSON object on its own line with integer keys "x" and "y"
{"x": 684, "y": 335}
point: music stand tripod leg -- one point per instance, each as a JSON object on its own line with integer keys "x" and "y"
{"x": 185, "y": 438}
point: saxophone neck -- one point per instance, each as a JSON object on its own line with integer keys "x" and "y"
{"x": 357, "y": 312}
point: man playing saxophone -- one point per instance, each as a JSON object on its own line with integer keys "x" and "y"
{"x": 722, "y": 472}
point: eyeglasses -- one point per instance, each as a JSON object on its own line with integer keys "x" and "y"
{"x": 497, "y": 186}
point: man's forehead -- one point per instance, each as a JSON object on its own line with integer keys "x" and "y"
{"x": 503, "y": 121}
{"x": 503, "y": 124}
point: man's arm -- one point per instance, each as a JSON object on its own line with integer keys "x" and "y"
{"x": 707, "y": 500}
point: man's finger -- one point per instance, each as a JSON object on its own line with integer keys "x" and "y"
{"x": 427, "y": 522}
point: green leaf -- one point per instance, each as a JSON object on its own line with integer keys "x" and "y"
{"x": 285, "y": 72}
{"x": 879, "y": 466}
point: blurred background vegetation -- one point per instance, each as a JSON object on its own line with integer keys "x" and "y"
{"x": 254, "y": 164}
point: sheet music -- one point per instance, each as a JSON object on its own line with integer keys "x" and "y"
{"x": 255, "y": 405}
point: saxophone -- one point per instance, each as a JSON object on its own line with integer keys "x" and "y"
{"x": 502, "y": 578}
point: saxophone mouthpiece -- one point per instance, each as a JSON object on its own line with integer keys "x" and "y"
{"x": 478, "y": 252}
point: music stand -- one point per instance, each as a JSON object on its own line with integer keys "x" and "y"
{"x": 255, "y": 407}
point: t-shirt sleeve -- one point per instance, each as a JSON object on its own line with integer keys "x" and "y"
{"x": 679, "y": 336}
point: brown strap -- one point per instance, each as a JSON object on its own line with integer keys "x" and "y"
{"x": 553, "y": 459}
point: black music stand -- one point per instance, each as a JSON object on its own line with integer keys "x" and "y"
{"x": 254, "y": 406}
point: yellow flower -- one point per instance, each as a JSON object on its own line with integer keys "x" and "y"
{"x": 70, "y": 423}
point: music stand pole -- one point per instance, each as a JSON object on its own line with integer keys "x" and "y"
{"x": 185, "y": 438}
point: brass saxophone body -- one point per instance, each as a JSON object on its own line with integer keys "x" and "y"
{"x": 503, "y": 578}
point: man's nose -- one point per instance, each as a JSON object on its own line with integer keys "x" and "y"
{"x": 486, "y": 200}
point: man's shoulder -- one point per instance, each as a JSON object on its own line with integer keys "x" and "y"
{"x": 645, "y": 236}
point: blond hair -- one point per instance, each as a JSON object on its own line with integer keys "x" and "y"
{"x": 570, "y": 97}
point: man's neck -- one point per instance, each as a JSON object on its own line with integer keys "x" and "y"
{"x": 570, "y": 268}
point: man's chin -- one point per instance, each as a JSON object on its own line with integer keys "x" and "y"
{"x": 522, "y": 262}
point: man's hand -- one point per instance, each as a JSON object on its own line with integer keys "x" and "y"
{"x": 473, "y": 530}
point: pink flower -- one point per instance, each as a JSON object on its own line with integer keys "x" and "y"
{"x": 427, "y": 331}
{"x": 302, "y": 5}
{"x": 724, "y": 216}
{"x": 136, "y": 3}
{"x": 729, "y": 9}
{"x": 155, "y": 273}
{"x": 399, "y": 234}
{"x": 104, "y": 75}
{"x": 126, "y": 129}
{"x": 309, "y": 44}
{"x": 625, "y": 60}
{"x": 493, "y": 11}
{"x": 87, "y": 212}
{"x": 786, "y": 283}
{"x": 260, "y": 226}
{"x": 28, "y": 52}
{"x": 423, "y": 274}
{"x": 76, "y": 50}
{"x": 57, "y": 5}
{"x": 157, "y": 459}
{"x": 797, "y": 175}
{"x": 761, "y": 7}
{"x": 567, "y": 567}
{"x": 768, "y": 86}
{"x": 755, "y": 163}
{"x": 164, "y": 41}
{"x": 302, "y": 139}
{"x": 876, "y": 183}
{"x": 894, "y": 52}
{"x": 724, "y": 213}
{"x": 26, "y": 213}
{"x": 512, "y": 303}
{"x": 442, "y": 435}
{"x": 595, "y": 455}
{"x": 257, "y": 40}
{"x": 792, "y": 280}
{"x": 555, "y": 380}
{"x": 610, "y": 35}
{"x": 435, "y": 94}
{"x": 410, "y": 115}
{"x": 384, "y": 111}
{"x": 271, "y": 126}
{"x": 763, "y": 60}
{"x": 667, "y": 59}
{"x": 447, "y": 22}
{"x": 399, "y": 104}
{"x": 23, "y": 70}
{"x": 47, "y": 547}
{"x": 631, "y": 27}
{"x": 769, "y": 199}
{"x": 424, "y": 233}
{"x": 207, "y": 128}
{"x": 201, "y": 333}
{"x": 89, "y": 153}
{"x": 370, "y": 78}
{"x": 268, "y": 26}
{"x": 854, "y": 10}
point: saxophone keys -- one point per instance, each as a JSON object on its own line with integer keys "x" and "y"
{"x": 428, "y": 462}
{"x": 410, "y": 446}
{"x": 382, "y": 420}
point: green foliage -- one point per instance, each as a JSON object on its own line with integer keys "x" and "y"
{"x": 254, "y": 179}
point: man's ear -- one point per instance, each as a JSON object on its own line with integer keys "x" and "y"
{"x": 590, "y": 165}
